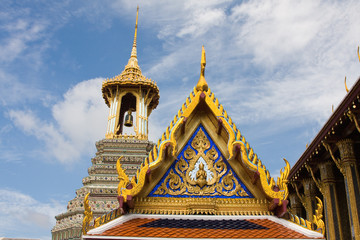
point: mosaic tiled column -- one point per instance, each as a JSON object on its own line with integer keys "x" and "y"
{"x": 309, "y": 193}
{"x": 332, "y": 214}
{"x": 351, "y": 175}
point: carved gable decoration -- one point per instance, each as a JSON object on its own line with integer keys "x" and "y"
{"x": 200, "y": 170}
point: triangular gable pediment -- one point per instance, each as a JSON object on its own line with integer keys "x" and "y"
{"x": 200, "y": 170}
{"x": 170, "y": 171}
{"x": 202, "y": 108}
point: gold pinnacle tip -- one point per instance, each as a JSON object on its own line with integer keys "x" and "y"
{"x": 202, "y": 84}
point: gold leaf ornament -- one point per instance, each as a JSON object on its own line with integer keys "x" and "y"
{"x": 318, "y": 216}
{"x": 88, "y": 215}
{"x": 123, "y": 178}
{"x": 199, "y": 174}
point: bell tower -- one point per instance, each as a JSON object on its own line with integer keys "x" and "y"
{"x": 131, "y": 97}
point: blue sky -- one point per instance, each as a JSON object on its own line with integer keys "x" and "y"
{"x": 276, "y": 66}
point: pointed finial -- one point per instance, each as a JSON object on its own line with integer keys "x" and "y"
{"x": 358, "y": 53}
{"x": 133, "y": 62}
{"x": 332, "y": 108}
{"x": 133, "y": 51}
{"x": 202, "y": 84}
{"x": 346, "y": 88}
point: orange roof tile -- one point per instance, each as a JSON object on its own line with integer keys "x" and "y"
{"x": 248, "y": 227}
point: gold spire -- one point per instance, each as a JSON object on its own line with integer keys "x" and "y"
{"x": 133, "y": 51}
{"x": 133, "y": 62}
{"x": 202, "y": 84}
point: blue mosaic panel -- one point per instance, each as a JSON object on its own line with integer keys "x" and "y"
{"x": 182, "y": 178}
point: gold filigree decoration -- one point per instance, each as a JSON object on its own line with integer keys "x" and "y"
{"x": 198, "y": 174}
{"x": 123, "y": 178}
{"x": 318, "y": 217}
{"x": 192, "y": 205}
{"x": 88, "y": 215}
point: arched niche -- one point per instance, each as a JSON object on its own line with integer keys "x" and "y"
{"x": 128, "y": 101}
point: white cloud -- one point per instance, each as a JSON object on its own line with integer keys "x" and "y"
{"x": 82, "y": 115}
{"x": 20, "y": 35}
{"x": 200, "y": 21}
{"x": 278, "y": 60}
{"x": 19, "y": 211}
{"x": 78, "y": 121}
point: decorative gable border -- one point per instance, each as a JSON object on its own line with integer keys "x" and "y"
{"x": 237, "y": 147}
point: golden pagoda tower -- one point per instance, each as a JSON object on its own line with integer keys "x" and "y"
{"x": 128, "y": 93}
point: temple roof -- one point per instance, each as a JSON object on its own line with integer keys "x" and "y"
{"x": 202, "y": 165}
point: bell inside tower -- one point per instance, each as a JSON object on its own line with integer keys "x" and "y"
{"x": 129, "y": 120}
{"x": 128, "y": 106}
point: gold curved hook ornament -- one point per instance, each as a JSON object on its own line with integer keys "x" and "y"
{"x": 358, "y": 53}
{"x": 282, "y": 181}
{"x": 88, "y": 215}
{"x": 346, "y": 88}
{"x": 318, "y": 216}
{"x": 123, "y": 178}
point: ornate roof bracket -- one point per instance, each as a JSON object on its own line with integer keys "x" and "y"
{"x": 300, "y": 196}
{"x": 336, "y": 161}
{"x": 317, "y": 183}
{"x": 353, "y": 118}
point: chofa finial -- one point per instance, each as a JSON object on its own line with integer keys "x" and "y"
{"x": 202, "y": 84}
{"x": 346, "y": 88}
